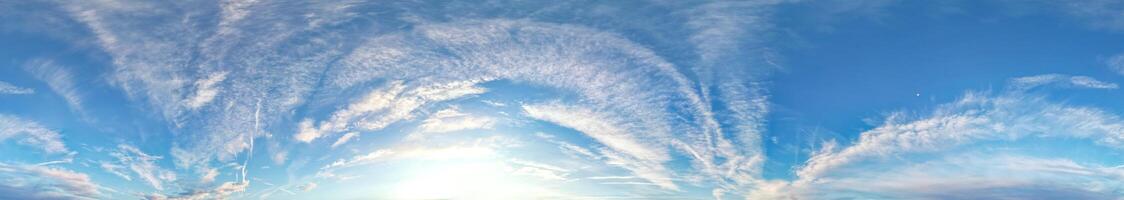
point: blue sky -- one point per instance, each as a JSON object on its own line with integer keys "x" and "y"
{"x": 867, "y": 99}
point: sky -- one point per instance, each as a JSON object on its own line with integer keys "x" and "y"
{"x": 753, "y": 99}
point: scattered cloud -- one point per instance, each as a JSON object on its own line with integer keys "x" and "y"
{"x": 1059, "y": 80}
{"x": 31, "y": 133}
{"x": 626, "y": 150}
{"x": 58, "y": 78}
{"x": 975, "y": 118}
{"x": 708, "y": 109}
{"x": 539, "y": 170}
{"x": 451, "y": 120}
{"x": 8, "y": 88}
{"x": 177, "y": 62}
{"x": 205, "y": 90}
{"x": 115, "y": 169}
{"x": 170, "y": 65}
{"x": 45, "y": 182}
{"x": 1104, "y": 14}
{"x": 143, "y": 166}
{"x": 209, "y": 176}
{"x": 572, "y": 150}
{"x": 65, "y": 160}
{"x": 1116, "y": 63}
{"x": 223, "y": 191}
{"x": 383, "y": 106}
{"x": 344, "y": 139}
{"x": 971, "y": 175}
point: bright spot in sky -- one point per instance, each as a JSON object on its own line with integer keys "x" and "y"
{"x": 467, "y": 180}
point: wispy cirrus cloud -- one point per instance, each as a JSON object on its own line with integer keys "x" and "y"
{"x": 207, "y": 77}
{"x": 985, "y": 176}
{"x": 644, "y": 159}
{"x": 992, "y": 175}
{"x": 31, "y": 133}
{"x": 44, "y": 182}
{"x": 204, "y": 77}
{"x": 142, "y": 165}
{"x": 1104, "y": 14}
{"x": 345, "y": 138}
{"x": 59, "y": 79}
{"x": 8, "y": 88}
{"x": 539, "y": 170}
{"x": 452, "y": 119}
{"x": 477, "y": 149}
{"x": 564, "y": 66}
{"x": 1116, "y": 63}
{"x": 383, "y": 107}
{"x": 1010, "y": 116}
{"x": 115, "y": 169}
{"x": 1059, "y": 80}
{"x": 205, "y": 90}
{"x": 223, "y": 191}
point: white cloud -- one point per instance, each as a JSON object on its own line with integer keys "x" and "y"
{"x": 279, "y": 157}
{"x": 169, "y": 63}
{"x": 344, "y": 139}
{"x": 156, "y": 63}
{"x": 574, "y": 151}
{"x": 65, "y": 160}
{"x": 1116, "y": 63}
{"x": 460, "y": 151}
{"x": 643, "y": 159}
{"x": 599, "y": 127}
{"x": 451, "y": 120}
{"x": 1060, "y": 80}
{"x": 233, "y": 11}
{"x": 58, "y": 78}
{"x": 8, "y": 88}
{"x": 727, "y": 38}
{"x": 1105, "y": 14}
{"x": 223, "y": 191}
{"x": 209, "y": 176}
{"x": 973, "y": 119}
{"x": 143, "y": 165}
{"x": 205, "y": 90}
{"x": 494, "y": 103}
{"x": 539, "y": 170}
{"x": 43, "y": 182}
{"x": 1089, "y": 82}
{"x": 721, "y": 27}
{"x": 361, "y": 159}
{"x": 973, "y": 175}
{"x": 31, "y": 133}
{"x": 115, "y": 169}
{"x": 384, "y": 106}
{"x": 638, "y": 87}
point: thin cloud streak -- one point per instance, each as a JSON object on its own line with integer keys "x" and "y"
{"x": 45, "y": 182}
{"x": 31, "y": 133}
{"x": 8, "y": 88}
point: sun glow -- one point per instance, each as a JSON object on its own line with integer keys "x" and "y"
{"x": 464, "y": 179}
